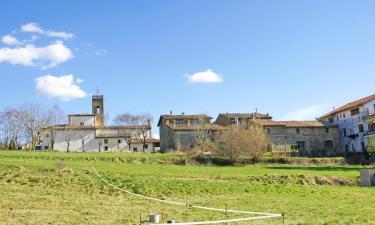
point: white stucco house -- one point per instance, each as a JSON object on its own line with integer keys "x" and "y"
{"x": 356, "y": 121}
{"x": 87, "y": 133}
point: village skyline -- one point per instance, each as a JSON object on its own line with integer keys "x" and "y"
{"x": 144, "y": 60}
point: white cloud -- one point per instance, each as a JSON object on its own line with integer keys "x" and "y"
{"x": 64, "y": 87}
{"x": 156, "y": 136}
{"x": 10, "y": 40}
{"x": 207, "y": 76}
{"x": 35, "y": 28}
{"x": 306, "y": 113}
{"x": 29, "y": 55}
{"x": 32, "y": 28}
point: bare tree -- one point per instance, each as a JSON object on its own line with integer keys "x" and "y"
{"x": 68, "y": 136}
{"x": 33, "y": 118}
{"x": 204, "y": 137}
{"x": 82, "y": 137}
{"x": 132, "y": 119}
{"x": 144, "y": 134}
{"x": 237, "y": 142}
{"x": 10, "y": 128}
{"x": 56, "y": 116}
{"x": 129, "y": 141}
{"x": 128, "y": 119}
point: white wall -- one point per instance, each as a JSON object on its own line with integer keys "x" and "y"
{"x": 87, "y": 120}
{"x": 91, "y": 143}
{"x": 351, "y": 125}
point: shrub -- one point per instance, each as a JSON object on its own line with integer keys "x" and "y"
{"x": 237, "y": 142}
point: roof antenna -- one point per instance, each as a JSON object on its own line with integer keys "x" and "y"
{"x": 97, "y": 91}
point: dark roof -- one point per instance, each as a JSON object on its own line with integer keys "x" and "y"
{"x": 196, "y": 116}
{"x": 63, "y": 126}
{"x": 295, "y": 123}
{"x": 350, "y": 105}
{"x": 245, "y": 116}
{"x": 197, "y": 127}
{"x": 82, "y": 114}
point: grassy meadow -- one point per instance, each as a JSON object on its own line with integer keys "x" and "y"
{"x": 61, "y": 188}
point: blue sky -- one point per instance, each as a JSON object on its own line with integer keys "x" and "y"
{"x": 292, "y": 59}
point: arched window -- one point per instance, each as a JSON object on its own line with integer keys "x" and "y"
{"x": 328, "y": 144}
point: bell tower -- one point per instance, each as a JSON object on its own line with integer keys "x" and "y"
{"x": 98, "y": 109}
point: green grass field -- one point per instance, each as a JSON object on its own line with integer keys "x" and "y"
{"x": 61, "y": 188}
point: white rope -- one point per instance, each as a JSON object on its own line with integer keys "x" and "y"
{"x": 261, "y": 214}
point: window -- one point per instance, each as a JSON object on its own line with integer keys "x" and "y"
{"x": 268, "y": 130}
{"x": 343, "y": 115}
{"x": 367, "y": 111}
{"x": 346, "y": 148}
{"x": 146, "y": 146}
{"x": 361, "y": 128}
{"x": 180, "y": 122}
{"x": 344, "y": 131}
{"x": 194, "y": 121}
{"x": 82, "y": 124}
{"x": 135, "y": 149}
{"x": 327, "y": 130}
{"x": 328, "y": 144}
{"x": 47, "y": 135}
{"x": 337, "y": 117}
{"x": 119, "y": 141}
{"x": 354, "y": 112}
{"x": 105, "y": 148}
{"x": 105, "y": 141}
{"x": 330, "y": 119}
{"x": 298, "y": 131}
{"x": 98, "y": 110}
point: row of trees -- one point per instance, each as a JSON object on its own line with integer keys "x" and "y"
{"x": 21, "y": 126}
{"x": 233, "y": 143}
{"x": 128, "y": 119}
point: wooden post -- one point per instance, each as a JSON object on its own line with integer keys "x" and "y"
{"x": 283, "y": 219}
{"x": 226, "y": 211}
{"x": 148, "y": 209}
{"x": 140, "y": 219}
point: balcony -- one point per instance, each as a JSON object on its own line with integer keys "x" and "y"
{"x": 367, "y": 115}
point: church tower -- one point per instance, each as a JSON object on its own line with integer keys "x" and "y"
{"x": 98, "y": 109}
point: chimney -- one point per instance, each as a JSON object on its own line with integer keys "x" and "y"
{"x": 183, "y": 113}
{"x": 170, "y": 112}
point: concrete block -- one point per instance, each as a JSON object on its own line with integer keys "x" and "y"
{"x": 367, "y": 177}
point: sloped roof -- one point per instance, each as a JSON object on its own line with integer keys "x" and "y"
{"x": 196, "y": 127}
{"x": 195, "y": 116}
{"x": 350, "y": 105}
{"x": 245, "y": 115}
{"x": 295, "y": 123}
{"x": 64, "y": 126}
{"x": 82, "y": 114}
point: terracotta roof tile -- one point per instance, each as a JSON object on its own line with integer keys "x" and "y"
{"x": 350, "y": 105}
{"x": 294, "y": 123}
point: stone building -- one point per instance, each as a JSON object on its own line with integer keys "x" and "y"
{"x": 87, "y": 133}
{"x": 307, "y": 137}
{"x": 356, "y": 122}
{"x": 179, "y": 131}
{"x": 240, "y": 119}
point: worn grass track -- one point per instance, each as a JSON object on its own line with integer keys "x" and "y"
{"x": 32, "y": 192}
